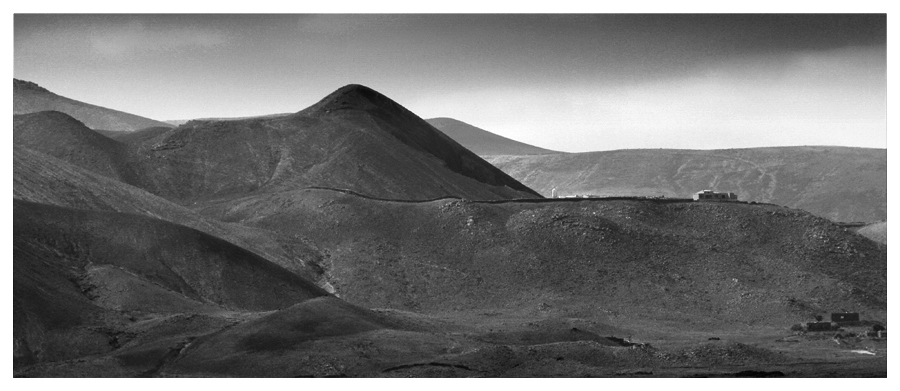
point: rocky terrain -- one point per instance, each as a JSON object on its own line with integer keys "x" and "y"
{"x": 838, "y": 183}
{"x": 716, "y": 262}
{"x": 29, "y": 97}
{"x": 354, "y": 239}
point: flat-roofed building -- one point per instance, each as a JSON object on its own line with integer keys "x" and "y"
{"x": 709, "y": 195}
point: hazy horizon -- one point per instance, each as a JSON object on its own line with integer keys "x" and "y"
{"x": 567, "y": 82}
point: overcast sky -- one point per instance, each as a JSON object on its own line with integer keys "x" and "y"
{"x": 565, "y": 82}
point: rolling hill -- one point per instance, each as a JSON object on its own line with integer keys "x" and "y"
{"x": 501, "y": 288}
{"x": 59, "y": 135}
{"x": 29, "y": 97}
{"x": 839, "y": 183}
{"x": 355, "y": 138}
{"x": 669, "y": 260}
{"x": 44, "y": 179}
{"x": 482, "y": 142}
{"x": 79, "y": 275}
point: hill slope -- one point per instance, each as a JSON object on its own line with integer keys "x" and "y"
{"x": 29, "y": 97}
{"x": 355, "y": 138}
{"x": 44, "y": 179}
{"x": 661, "y": 260}
{"x": 59, "y": 135}
{"x": 839, "y": 183}
{"x": 482, "y": 142}
{"x": 75, "y": 271}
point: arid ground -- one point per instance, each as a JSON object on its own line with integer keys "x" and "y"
{"x": 354, "y": 239}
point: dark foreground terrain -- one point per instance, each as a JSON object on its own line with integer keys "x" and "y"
{"x": 485, "y": 289}
{"x": 354, "y": 239}
{"x": 324, "y": 338}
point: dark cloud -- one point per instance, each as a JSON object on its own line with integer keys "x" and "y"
{"x": 513, "y": 73}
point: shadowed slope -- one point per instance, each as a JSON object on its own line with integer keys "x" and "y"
{"x": 181, "y": 259}
{"x": 278, "y": 344}
{"x": 358, "y": 104}
{"x": 44, "y": 179}
{"x": 482, "y": 142}
{"x": 28, "y": 97}
{"x": 355, "y": 139}
{"x": 838, "y": 183}
{"x": 665, "y": 260}
{"x": 59, "y": 135}
{"x": 75, "y": 270}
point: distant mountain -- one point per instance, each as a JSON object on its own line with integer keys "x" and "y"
{"x": 482, "y": 142}
{"x": 29, "y": 97}
{"x": 839, "y": 183}
{"x": 355, "y": 138}
{"x": 177, "y": 122}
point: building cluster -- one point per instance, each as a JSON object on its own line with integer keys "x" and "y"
{"x": 554, "y": 194}
{"x": 847, "y": 319}
{"x": 703, "y": 195}
{"x": 838, "y": 319}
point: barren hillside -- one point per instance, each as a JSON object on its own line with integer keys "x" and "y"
{"x": 354, "y": 239}
{"x": 59, "y": 135}
{"x": 44, "y": 179}
{"x": 77, "y": 271}
{"x": 355, "y": 138}
{"x": 720, "y": 262}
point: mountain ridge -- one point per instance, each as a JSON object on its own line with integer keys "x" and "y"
{"x": 354, "y": 138}
{"x": 59, "y": 135}
{"x": 29, "y": 97}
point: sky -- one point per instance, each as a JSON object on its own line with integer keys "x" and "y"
{"x": 568, "y": 82}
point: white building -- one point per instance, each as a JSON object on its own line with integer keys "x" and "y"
{"x": 709, "y": 195}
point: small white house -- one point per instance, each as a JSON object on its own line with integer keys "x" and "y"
{"x": 709, "y": 195}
